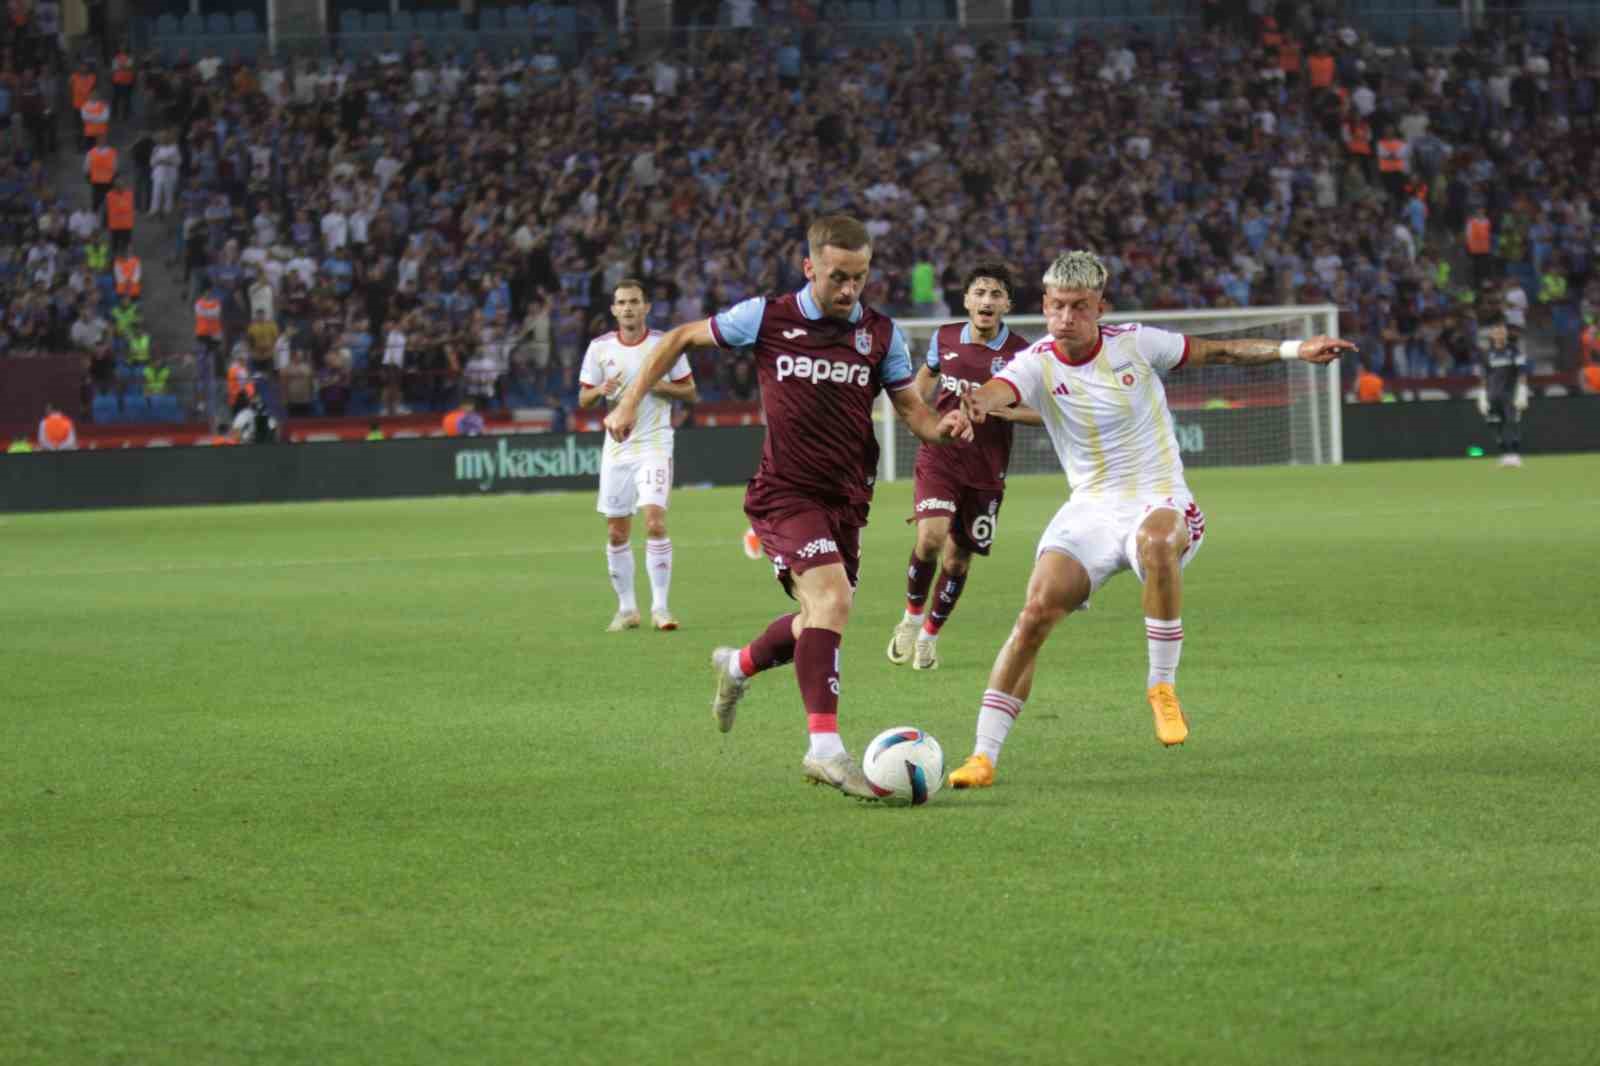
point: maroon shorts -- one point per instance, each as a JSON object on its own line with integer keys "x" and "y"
{"x": 973, "y": 512}
{"x": 799, "y": 534}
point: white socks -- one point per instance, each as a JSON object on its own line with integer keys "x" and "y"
{"x": 911, "y": 616}
{"x": 619, "y": 564}
{"x": 825, "y": 745}
{"x": 997, "y": 714}
{"x": 1165, "y": 640}
{"x": 658, "y": 561}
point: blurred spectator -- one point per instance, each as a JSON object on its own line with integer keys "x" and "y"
{"x": 464, "y": 421}
{"x": 56, "y": 431}
{"x": 1369, "y": 386}
{"x": 298, "y": 382}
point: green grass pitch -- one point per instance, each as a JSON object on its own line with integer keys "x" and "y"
{"x": 368, "y": 783}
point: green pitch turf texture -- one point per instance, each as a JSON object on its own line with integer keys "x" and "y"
{"x": 368, "y": 783}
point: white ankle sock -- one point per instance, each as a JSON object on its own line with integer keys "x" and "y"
{"x": 910, "y": 617}
{"x": 1164, "y": 638}
{"x": 996, "y": 715}
{"x": 658, "y": 561}
{"x": 619, "y": 564}
{"x": 825, "y": 745}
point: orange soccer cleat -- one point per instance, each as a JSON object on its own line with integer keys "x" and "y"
{"x": 976, "y": 772}
{"x": 1172, "y": 725}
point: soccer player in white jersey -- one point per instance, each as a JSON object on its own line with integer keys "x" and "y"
{"x": 1098, "y": 389}
{"x": 635, "y": 473}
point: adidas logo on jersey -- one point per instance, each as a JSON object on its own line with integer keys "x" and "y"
{"x": 817, "y": 371}
{"x": 1060, "y": 390}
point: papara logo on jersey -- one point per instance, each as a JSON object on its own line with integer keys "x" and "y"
{"x": 817, "y": 371}
{"x": 959, "y": 386}
{"x": 485, "y": 467}
{"x": 820, "y": 546}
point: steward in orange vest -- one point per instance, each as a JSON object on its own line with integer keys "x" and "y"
{"x": 129, "y": 271}
{"x": 96, "y": 114}
{"x": 82, "y": 87}
{"x": 240, "y": 388}
{"x": 100, "y": 165}
{"x": 56, "y": 431}
{"x": 123, "y": 76}
{"x": 1369, "y": 387}
{"x": 1319, "y": 69}
{"x": 1392, "y": 159}
{"x": 1478, "y": 232}
{"x": 119, "y": 217}
{"x": 208, "y": 317}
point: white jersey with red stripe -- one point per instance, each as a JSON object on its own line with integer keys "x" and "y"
{"x": 1107, "y": 414}
{"x": 610, "y": 356}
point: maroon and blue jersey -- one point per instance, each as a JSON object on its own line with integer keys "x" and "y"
{"x": 963, "y": 363}
{"x": 819, "y": 377}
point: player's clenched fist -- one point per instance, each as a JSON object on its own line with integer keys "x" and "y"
{"x": 1323, "y": 349}
{"x": 955, "y": 425}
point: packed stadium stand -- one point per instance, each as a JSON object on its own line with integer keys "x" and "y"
{"x": 427, "y": 204}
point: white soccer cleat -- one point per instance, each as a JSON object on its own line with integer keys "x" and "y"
{"x": 663, "y": 620}
{"x": 841, "y": 771}
{"x": 623, "y": 620}
{"x": 1511, "y": 459}
{"x": 926, "y": 656}
{"x": 725, "y": 702}
{"x": 905, "y": 634}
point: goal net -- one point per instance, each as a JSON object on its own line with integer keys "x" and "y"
{"x": 1286, "y": 412}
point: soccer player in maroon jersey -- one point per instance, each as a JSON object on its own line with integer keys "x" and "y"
{"x": 821, "y": 357}
{"x": 958, "y": 489}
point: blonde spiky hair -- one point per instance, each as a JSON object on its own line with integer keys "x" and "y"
{"x": 1077, "y": 270}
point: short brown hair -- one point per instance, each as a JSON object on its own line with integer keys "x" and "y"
{"x": 631, "y": 283}
{"x": 841, "y": 231}
{"x": 997, "y": 271}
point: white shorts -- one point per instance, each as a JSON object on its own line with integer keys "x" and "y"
{"x": 1103, "y": 534}
{"x": 629, "y": 484}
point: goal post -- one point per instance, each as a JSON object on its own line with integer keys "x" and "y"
{"x": 1282, "y": 413}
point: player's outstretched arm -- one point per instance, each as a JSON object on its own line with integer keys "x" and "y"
{"x": 1020, "y": 414}
{"x": 1247, "y": 351}
{"x": 619, "y": 423}
{"x": 925, "y": 423}
{"x": 991, "y": 399}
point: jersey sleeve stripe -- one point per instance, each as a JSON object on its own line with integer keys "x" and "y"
{"x": 1015, "y": 392}
{"x": 679, "y": 381}
{"x": 1184, "y": 358}
{"x": 716, "y": 334}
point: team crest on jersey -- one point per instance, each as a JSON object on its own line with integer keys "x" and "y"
{"x": 1127, "y": 379}
{"x": 863, "y": 342}
{"x": 997, "y": 364}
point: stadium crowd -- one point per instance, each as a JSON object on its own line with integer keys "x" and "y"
{"x": 410, "y": 228}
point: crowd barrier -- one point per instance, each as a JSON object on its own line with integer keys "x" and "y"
{"x": 571, "y": 461}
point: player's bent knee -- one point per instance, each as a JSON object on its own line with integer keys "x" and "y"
{"x": 1160, "y": 549}
{"x": 1036, "y": 621}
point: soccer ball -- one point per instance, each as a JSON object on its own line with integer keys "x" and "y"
{"x": 904, "y": 765}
